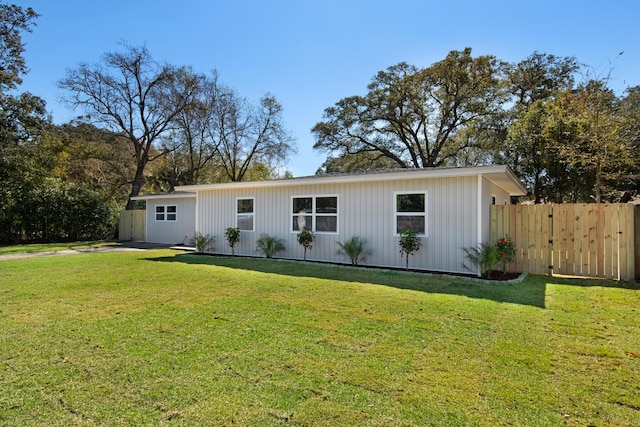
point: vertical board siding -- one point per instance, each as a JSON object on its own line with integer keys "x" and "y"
{"x": 170, "y": 232}
{"x": 591, "y": 240}
{"x": 365, "y": 210}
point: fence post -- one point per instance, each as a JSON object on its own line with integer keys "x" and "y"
{"x": 548, "y": 238}
{"x": 637, "y": 241}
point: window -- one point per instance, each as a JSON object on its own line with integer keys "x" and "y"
{"x": 315, "y": 213}
{"x": 245, "y": 214}
{"x": 166, "y": 213}
{"x": 411, "y": 212}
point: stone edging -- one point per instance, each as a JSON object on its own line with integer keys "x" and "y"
{"x": 515, "y": 281}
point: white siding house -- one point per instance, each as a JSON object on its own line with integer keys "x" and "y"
{"x": 449, "y": 206}
{"x": 170, "y": 218}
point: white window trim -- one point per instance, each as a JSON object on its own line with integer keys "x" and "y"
{"x": 253, "y": 214}
{"x": 425, "y": 213}
{"x": 313, "y": 213}
{"x": 165, "y": 213}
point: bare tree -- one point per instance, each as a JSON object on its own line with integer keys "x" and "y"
{"x": 221, "y": 136}
{"x": 247, "y": 135}
{"x": 131, "y": 93}
{"x": 191, "y": 144}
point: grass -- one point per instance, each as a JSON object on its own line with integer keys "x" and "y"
{"x": 52, "y": 247}
{"x": 151, "y": 338}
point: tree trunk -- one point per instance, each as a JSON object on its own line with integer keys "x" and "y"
{"x": 136, "y": 186}
{"x": 537, "y": 190}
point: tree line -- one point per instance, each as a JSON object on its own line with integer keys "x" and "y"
{"x": 556, "y": 123}
{"x": 146, "y": 126}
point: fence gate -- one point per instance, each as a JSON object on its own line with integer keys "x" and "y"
{"x": 132, "y": 225}
{"x": 592, "y": 240}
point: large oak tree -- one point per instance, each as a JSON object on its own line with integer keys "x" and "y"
{"x": 129, "y": 92}
{"x": 413, "y": 116}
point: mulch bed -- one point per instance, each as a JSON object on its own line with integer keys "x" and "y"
{"x": 502, "y": 276}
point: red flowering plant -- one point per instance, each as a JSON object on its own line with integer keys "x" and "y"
{"x": 506, "y": 252}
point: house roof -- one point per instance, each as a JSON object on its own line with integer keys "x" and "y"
{"x": 500, "y": 175}
{"x": 172, "y": 195}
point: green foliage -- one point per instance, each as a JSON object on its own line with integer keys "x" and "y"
{"x": 359, "y": 162}
{"x": 485, "y": 258}
{"x": 83, "y": 153}
{"x": 410, "y": 115}
{"x": 202, "y": 241}
{"x": 14, "y": 20}
{"x": 53, "y": 211}
{"x": 567, "y": 143}
{"x": 539, "y": 77}
{"x": 269, "y": 245}
{"x": 232, "y": 234}
{"x": 506, "y": 251}
{"x": 355, "y": 248}
{"x": 410, "y": 243}
{"x": 305, "y": 238}
{"x": 600, "y": 151}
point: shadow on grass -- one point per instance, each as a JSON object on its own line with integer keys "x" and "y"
{"x": 531, "y": 292}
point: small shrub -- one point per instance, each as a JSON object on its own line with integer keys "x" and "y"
{"x": 409, "y": 243}
{"x": 355, "y": 248}
{"x": 485, "y": 257}
{"x": 269, "y": 245}
{"x": 506, "y": 252}
{"x": 232, "y": 234}
{"x": 202, "y": 241}
{"x": 305, "y": 238}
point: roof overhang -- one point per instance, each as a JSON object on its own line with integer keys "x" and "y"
{"x": 178, "y": 195}
{"x": 508, "y": 181}
{"x": 500, "y": 175}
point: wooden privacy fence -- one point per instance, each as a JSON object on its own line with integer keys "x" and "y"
{"x": 593, "y": 240}
{"x": 132, "y": 225}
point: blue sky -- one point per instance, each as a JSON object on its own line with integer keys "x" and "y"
{"x": 310, "y": 54}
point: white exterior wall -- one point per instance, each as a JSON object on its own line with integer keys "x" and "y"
{"x": 365, "y": 209}
{"x": 171, "y": 232}
{"x": 490, "y": 191}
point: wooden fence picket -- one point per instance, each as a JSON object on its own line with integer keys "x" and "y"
{"x": 591, "y": 240}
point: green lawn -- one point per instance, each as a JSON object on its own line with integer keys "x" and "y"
{"x": 52, "y": 247}
{"x": 156, "y": 338}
